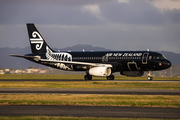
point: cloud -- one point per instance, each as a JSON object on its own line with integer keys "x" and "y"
{"x": 123, "y": 1}
{"x": 113, "y": 24}
{"x": 164, "y": 5}
{"x": 139, "y": 12}
{"x": 134, "y": 12}
{"x": 94, "y": 9}
{"x": 49, "y": 13}
{"x": 93, "y": 12}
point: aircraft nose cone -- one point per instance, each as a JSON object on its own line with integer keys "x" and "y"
{"x": 167, "y": 64}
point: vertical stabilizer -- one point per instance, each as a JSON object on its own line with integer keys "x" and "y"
{"x": 37, "y": 42}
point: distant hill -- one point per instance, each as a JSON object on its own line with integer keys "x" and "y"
{"x": 80, "y": 47}
{"x": 7, "y": 61}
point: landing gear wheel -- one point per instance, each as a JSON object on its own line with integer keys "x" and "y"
{"x": 150, "y": 78}
{"x": 87, "y": 77}
{"x": 111, "y": 77}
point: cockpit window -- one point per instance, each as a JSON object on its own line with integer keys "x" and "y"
{"x": 158, "y": 57}
{"x": 164, "y": 57}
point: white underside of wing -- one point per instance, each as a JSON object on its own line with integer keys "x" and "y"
{"x": 77, "y": 63}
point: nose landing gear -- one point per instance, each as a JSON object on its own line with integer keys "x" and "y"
{"x": 149, "y": 76}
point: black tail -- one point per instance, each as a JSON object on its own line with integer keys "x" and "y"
{"x": 37, "y": 42}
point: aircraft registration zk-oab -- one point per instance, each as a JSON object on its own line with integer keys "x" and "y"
{"x": 104, "y": 63}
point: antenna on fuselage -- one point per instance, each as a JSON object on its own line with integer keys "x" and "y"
{"x": 147, "y": 49}
{"x": 83, "y": 50}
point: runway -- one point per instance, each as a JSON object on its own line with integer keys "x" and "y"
{"x": 87, "y": 91}
{"x": 89, "y": 111}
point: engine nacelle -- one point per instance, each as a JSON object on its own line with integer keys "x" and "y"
{"x": 100, "y": 71}
{"x": 132, "y": 73}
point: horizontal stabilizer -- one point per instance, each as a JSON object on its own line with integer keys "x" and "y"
{"x": 37, "y": 58}
{"x": 23, "y": 56}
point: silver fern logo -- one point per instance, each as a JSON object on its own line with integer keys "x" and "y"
{"x": 62, "y": 56}
{"x": 37, "y": 39}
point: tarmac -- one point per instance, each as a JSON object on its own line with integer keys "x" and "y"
{"x": 90, "y": 111}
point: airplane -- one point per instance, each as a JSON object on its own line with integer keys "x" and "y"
{"x": 97, "y": 63}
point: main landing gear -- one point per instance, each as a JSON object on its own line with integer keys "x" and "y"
{"x": 111, "y": 77}
{"x": 149, "y": 76}
{"x": 87, "y": 77}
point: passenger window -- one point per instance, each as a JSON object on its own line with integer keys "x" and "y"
{"x": 158, "y": 57}
{"x": 150, "y": 57}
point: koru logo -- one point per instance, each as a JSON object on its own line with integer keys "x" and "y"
{"x": 37, "y": 39}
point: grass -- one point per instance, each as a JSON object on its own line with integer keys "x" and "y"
{"x": 75, "y": 77}
{"x": 70, "y": 118}
{"x": 92, "y": 100}
{"x": 85, "y": 84}
{"x": 93, "y": 85}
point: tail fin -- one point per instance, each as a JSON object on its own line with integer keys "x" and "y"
{"x": 37, "y": 42}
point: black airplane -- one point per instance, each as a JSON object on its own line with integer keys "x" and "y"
{"x": 105, "y": 63}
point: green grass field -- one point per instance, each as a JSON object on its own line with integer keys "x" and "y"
{"x": 92, "y": 100}
{"x": 75, "y": 77}
{"x": 86, "y": 84}
{"x": 94, "y": 84}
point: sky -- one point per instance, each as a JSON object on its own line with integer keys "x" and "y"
{"x": 112, "y": 24}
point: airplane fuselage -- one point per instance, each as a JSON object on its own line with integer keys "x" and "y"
{"x": 120, "y": 60}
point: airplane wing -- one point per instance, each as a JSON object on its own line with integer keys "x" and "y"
{"x": 37, "y": 58}
{"x": 77, "y": 63}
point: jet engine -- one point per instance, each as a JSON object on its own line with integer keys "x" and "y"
{"x": 100, "y": 71}
{"x": 132, "y": 73}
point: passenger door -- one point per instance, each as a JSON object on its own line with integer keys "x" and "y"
{"x": 145, "y": 58}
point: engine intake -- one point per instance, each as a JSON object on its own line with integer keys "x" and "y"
{"x": 100, "y": 71}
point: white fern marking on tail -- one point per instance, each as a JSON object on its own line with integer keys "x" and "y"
{"x": 38, "y": 41}
{"x": 62, "y": 56}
